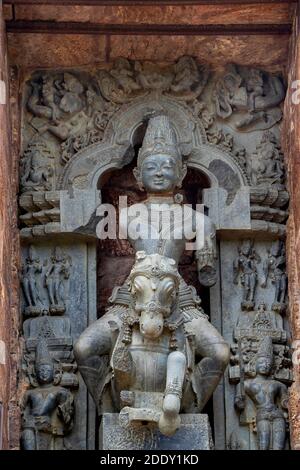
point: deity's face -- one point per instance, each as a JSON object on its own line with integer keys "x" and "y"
{"x": 160, "y": 174}
{"x": 263, "y": 365}
{"x": 45, "y": 373}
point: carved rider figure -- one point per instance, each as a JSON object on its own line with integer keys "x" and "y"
{"x": 167, "y": 357}
{"x": 48, "y": 410}
{"x": 269, "y": 397}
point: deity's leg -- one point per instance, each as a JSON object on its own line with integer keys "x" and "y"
{"x": 215, "y": 354}
{"x": 28, "y": 439}
{"x": 263, "y": 434}
{"x": 26, "y": 290}
{"x": 50, "y": 290}
{"x": 252, "y": 282}
{"x": 278, "y": 434}
{"x": 91, "y": 352}
{"x": 282, "y": 288}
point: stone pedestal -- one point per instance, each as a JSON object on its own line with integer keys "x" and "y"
{"x": 194, "y": 434}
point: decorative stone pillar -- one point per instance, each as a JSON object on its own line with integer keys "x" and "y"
{"x": 6, "y": 207}
{"x": 291, "y": 142}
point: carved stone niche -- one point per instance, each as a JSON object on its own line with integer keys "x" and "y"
{"x": 81, "y": 126}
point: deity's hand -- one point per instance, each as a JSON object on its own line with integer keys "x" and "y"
{"x": 239, "y": 402}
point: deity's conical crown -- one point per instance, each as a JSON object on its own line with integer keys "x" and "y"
{"x": 160, "y": 138}
{"x": 265, "y": 348}
{"x": 42, "y": 354}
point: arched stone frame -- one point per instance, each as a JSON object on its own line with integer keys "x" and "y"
{"x": 83, "y": 173}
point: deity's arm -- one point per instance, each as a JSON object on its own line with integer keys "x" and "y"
{"x": 239, "y": 399}
{"x": 206, "y": 253}
{"x": 66, "y": 407}
{"x": 283, "y": 396}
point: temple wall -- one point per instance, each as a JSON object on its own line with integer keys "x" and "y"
{"x": 50, "y": 49}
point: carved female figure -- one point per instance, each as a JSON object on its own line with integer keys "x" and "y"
{"x": 269, "y": 397}
{"x": 30, "y": 270}
{"x": 58, "y": 270}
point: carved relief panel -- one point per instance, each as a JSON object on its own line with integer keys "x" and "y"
{"x": 79, "y": 127}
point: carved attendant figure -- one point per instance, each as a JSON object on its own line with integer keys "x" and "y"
{"x": 270, "y": 398}
{"x": 58, "y": 269}
{"x": 166, "y": 355}
{"x": 274, "y": 267}
{"x": 30, "y": 286}
{"x": 245, "y": 266}
{"x": 48, "y": 409}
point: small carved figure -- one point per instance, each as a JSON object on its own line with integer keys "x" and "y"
{"x": 54, "y": 276}
{"x": 274, "y": 268}
{"x": 245, "y": 267}
{"x": 36, "y": 171}
{"x": 249, "y": 98}
{"x": 269, "y": 397}
{"x": 123, "y": 73}
{"x": 31, "y": 288}
{"x": 48, "y": 410}
{"x": 267, "y": 166}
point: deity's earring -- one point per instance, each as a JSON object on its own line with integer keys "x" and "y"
{"x": 183, "y": 172}
{"x": 137, "y": 175}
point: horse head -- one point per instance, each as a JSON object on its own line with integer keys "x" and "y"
{"x": 153, "y": 284}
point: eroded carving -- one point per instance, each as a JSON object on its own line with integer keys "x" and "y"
{"x": 36, "y": 170}
{"x": 48, "y": 409}
{"x": 274, "y": 269}
{"x": 244, "y": 267}
{"x": 269, "y": 397}
{"x": 266, "y": 167}
{"x": 248, "y": 98}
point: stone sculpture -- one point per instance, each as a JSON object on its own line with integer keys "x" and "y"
{"x": 155, "y": 322}
{"x": 267, "y": 166}
{"x": 30, "y": 283}
{"x": 36, "y": 171}
{"x": 245, "y": 267}
{"x": 249, "y": 98}
{"x": 274, "y": 268}
{"x": 56, "y": 272}
{"x": 48, "y": 410}
{"x": 269, "y": 397}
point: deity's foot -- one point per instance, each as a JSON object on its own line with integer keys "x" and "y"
{"x": 169, "y": 420}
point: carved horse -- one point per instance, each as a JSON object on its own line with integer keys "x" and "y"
{"x": 145, "y": 347}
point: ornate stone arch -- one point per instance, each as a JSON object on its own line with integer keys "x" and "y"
{"x": 84, "y": 170}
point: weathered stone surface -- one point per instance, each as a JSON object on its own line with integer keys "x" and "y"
{"x": 217, "y": 50}
{"x": 8, "y": 280}
{"x": 58, "y": 50}
{"x": 194, "y": 434}
{"x": 189, "y": 14}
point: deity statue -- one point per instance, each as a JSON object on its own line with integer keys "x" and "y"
{"x": 274, "y": 268}
{"x": 54, "y": 276}
{"x": 269, "y": 397}
{"x": 48, "y": 409}
{"x": 245, "y": 267}
{"x": 154, "y": 354}
{"x": 29, "y": 281}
